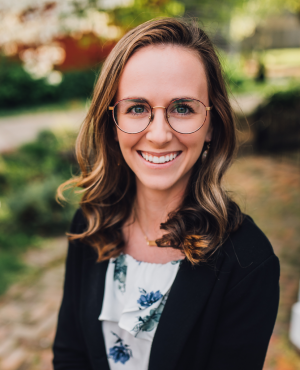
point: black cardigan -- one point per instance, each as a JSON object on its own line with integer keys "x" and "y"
{"x": 218, "y": 316}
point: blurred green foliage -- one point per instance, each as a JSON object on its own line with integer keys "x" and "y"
{"x": 140, "y": 11}
{"x": 275, "y": 123}
{"x": 288, "y": 99}
{"x": 211, "y": 10}
{"x": 236, "y": 79}
{"x": 135, "y": 12}
{"x": 19, "y": 89}
{"x": 129, "y": 14}
{"x": 29, "y": 178}
{"x": 239, "y": 83}
{"x": 223, "y": 11}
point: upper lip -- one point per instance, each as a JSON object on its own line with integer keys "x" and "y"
{"x": 160, "y": 153}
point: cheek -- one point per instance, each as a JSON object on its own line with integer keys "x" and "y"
{"x": 194, "y": 145}
{"x": 127, "y": 143}
{"x": 195, "y": 142}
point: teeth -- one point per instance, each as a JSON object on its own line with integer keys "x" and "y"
{"x": 155, "y": 160}
{"x": 162, "y": 159}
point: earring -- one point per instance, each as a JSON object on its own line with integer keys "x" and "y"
{"x": 205, "y": 153}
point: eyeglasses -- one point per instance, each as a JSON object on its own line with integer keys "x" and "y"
{"x": 184, "y": 115}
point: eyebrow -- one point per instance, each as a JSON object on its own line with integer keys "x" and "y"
{"x": 146, "y": 100}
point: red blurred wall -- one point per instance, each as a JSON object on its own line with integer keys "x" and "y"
{"x": 83, "y": 52}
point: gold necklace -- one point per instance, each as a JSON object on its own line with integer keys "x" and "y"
{"x": 149, "y": 242}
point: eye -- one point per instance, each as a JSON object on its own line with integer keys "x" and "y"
{"x": 138, "y": 109}
{"x": 182, "y": 109}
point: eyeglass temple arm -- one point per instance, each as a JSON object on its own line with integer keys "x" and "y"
{"x": 111, "y": 108}
{"x": 209, "y": 108}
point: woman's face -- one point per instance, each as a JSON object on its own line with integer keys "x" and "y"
{"x": 160, "y": 74}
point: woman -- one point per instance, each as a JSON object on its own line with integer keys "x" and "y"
{"x": 163, "y": 270}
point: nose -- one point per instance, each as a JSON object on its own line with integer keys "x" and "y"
{"x": 159, "y": 131}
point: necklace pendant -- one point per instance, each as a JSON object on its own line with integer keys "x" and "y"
{"x": 151, "y": 243}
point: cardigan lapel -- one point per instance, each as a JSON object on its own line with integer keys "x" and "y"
{"x": 189, "y": 293}
{"x": 93, "y": 293}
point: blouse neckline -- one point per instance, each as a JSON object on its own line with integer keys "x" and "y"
{"x": 152, "y": 263}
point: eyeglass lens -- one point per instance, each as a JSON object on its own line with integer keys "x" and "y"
{"x": 184, "y": 115}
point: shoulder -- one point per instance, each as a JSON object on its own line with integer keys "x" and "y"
{"x": 79, "y": 222}
{"x": 247, "y": 252}
{"x": 248, "y": 243}
{"x": 77, "y": 248}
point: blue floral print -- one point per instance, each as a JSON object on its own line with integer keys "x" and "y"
{"x": 147, "y": 299}
{"x": 120, "y": 271}
{"x": 149, "y": 322}
{"x": 120, "y": 351}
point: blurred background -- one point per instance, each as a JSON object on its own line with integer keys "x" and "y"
{"x": 50, "y": 55}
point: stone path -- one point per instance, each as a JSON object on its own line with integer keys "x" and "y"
{"x": 20, "y": 129}
{"x": 246, "y": 104}
{"x": 28, "y": 311}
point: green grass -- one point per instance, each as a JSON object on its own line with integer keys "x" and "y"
{"x": 24, "y": 266}
{"x": 11, "y": 267}
{"x": 265, "y": 89}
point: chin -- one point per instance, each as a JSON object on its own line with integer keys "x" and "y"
{"x": 157, "y": 184}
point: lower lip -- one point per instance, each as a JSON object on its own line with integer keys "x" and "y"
{"x": 158, "y": 165}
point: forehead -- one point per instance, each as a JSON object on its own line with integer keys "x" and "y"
{"x": 162, "y": 73}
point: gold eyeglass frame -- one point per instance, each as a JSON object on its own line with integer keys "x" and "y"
{"x": 112, "y": 108}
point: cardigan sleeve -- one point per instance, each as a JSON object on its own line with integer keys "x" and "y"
{"x": 69, "y": 346}
{"x": 247, "y": 319}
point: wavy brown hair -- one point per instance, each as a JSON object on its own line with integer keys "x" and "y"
{"x": 206, "y": 215}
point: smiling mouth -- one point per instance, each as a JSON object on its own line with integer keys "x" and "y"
{"x": 159, "y": 159}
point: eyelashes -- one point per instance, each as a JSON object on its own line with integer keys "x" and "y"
{"x": 184, "y": 105}
{"x": 187, "y": 106}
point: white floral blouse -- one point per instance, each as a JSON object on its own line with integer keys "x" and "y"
{"x": 134, "y": 298}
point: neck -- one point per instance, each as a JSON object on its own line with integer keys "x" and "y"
{"x": 153, "y": 206}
